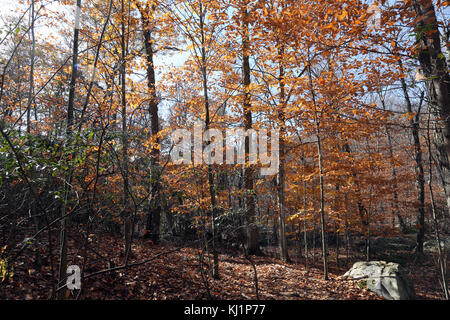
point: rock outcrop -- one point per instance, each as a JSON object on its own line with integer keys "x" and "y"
{"x": 388, "y": 279}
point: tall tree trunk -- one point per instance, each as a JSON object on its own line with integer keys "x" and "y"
{"x": 305, "y": 235}
{"x": 337, "y": 244}
{"x": 322, "y": 196}
{"x": 441, "y": 256}
{"x": 396, "y": 210}
{"x": 252, "y": 230}
{"x": 32, "y": 206}
{"x": 212, "y": 193}
{"x": 435, "y": 69}
{"x": 322, "y": 206}
{"x": 154, "y": 207}
{"x": 68, "y": 179}
{"x": 420, "y": 179}
{"x": 32, "y": 54}
{"x": 281, "y": 171}
{"x": 126, "y": 211}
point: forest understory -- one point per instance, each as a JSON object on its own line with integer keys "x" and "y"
{"x": 148, "y": 146}
{"x": 176, "y": 273}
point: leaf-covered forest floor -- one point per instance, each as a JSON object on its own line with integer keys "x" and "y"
{"x": 176, "y": 273}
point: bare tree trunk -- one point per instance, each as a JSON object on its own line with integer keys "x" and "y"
{"x": 322, "y": 197}
{"x": 347, "y": 234}
{"x": 396, "y": 210}
{"x": 153, "y": 223}
{"x": 337, "y": 244}
{"x": 420, "y": 179}
{"x": 322, "y": 207}
{"x": 435, "y": 69}
{"x": 61, "y": 294}
{"x": 252, "y": 230}
{"x": 281, "y": 171}
{"x": 305, "y": 237}
{"x": 215, "y": 269}
{"x": 32, "y": 206}
{"x": 126, "y": 211}
{"x": 32, "y": 54}
{"x": 441, "y": 256}
{"x": 368, "y": 236}
{"x": 314, "y": 242}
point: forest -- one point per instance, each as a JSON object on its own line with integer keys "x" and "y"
{"x": 224, "y": 149}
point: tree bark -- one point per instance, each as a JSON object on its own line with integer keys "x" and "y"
{"x": 435, "y": 69}
{"x": 322, "y": 206}
{"x": 252, "y": 230}
{"x": 420, "y": 177}
{"x": 281, "y": 170}
{"x": 154, "y": 208}
{"x": 305, "y": 230}
{"x": 212, "y": 193}
{"x": 322, "y": 196}
{"x": 126, "y": 211}
{"x": 61, "y": 294}
{"x": 32, "y": 54}
{"x": 437, "y": 237}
